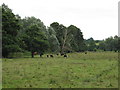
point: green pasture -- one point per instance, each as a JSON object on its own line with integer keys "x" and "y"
{"x": 79, "y": 70}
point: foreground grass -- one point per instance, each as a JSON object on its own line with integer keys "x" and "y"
{"x": 79, "y": 70}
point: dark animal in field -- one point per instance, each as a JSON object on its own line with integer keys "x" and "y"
{"x": 51, "y": 55}
{"x": 57, "y": 54}
{"x": 115, "y": 50}
{"x": 85, "y": 52}
{"x": 62, "y": 54}
{"x": 41, "y": 54}
{"x": 47, "y": 55}
{"x": 65, "y": 56}
{"x": 68, "y": 51}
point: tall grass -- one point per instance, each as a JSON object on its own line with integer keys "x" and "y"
{"x": 79, "y": 70}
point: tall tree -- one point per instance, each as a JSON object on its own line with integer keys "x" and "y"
{"x": 35, "y": 40}
{"x": 70, "y": 38}
{"x": 60, "y": 34}
{"x": 77, "y": 42}
{"x": 0, "y": 31}
{"x": 91, "y": 46}
{"x": 10, "y": 28}
{"x": 53, "y": 41}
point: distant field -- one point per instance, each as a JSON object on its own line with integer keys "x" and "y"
{"x": 79, "y": 70}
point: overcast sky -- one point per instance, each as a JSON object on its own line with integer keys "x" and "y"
{"x": 95, "y": 18}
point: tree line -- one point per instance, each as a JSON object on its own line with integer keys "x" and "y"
{"x": 30, "y": 34}
{"x": 109, "y": 44}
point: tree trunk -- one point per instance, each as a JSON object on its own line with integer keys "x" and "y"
{"x": 64, "y": 41}
{"x": 32, "y": 54}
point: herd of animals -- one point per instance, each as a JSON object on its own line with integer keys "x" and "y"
{"x": 62, "y": 54}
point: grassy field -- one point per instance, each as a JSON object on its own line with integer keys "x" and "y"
{"x": 79, "y": 70}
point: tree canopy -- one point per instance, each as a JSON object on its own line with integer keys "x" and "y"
{"x": 10, "y": 28}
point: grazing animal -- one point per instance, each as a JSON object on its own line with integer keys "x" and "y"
{"x": 65, "y": 56}
{"x": 62, "y": 54}
{"x": 85, "y": 52}
{"x": 68, "y": 51}
{"x": 51, "y": 55}
{"x": 41, "y": 54}
{"x": 47, "y": 55}
{"x": 57, "y": 54}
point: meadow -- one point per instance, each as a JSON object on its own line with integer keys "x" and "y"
{"x": 78, "y": 70}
